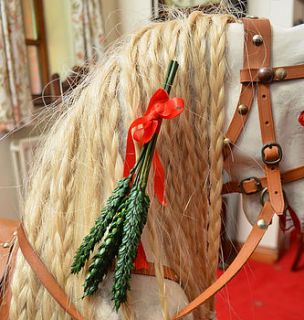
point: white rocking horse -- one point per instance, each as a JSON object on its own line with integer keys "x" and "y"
{"x": 82, "y": 158}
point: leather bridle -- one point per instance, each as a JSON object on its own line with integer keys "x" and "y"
{"x": 256, "y": 78}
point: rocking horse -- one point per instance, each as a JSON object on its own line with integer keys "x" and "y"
{"x": 82, "y": 157}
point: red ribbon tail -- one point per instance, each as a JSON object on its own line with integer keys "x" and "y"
{"x": 159, "y": 179}
{"x": 282, "y": 222}
{"x": 295, "y": 219}
{"x": 141, "y": 259}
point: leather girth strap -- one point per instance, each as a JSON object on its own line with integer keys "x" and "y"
{"x": 255, "y": 56}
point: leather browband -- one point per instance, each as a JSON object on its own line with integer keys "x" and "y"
{"x": 253, "y": 184}
{"x": 289, "y": 73}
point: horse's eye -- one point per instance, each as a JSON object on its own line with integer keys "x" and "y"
{"x": 301, "y": 118}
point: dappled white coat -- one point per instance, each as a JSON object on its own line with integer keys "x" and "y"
{"x": 288, "y": 102}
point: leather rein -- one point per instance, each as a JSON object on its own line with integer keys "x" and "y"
{"x": 256, "y": 77}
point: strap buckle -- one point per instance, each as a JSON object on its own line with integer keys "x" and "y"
{"x": 263, "y": 198}
{"x": 270, "y": 146}
{"x": 258, "y": 185}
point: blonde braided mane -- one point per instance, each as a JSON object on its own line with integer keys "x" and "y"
{"x": 82, "y": 157}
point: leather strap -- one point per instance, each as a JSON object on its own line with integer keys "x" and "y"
{"x": 256, "y": 57}
{"x": 51, "y": 284}
{"x": 292, "y": 73}
{"x": 45, "y": 277}
{"x": 270, "y": 153}
{"x": 254, "y": 185}
{"x": 239, "y": 119}
{"x": 169, "y": 273}
{"x": 248, "y": 248}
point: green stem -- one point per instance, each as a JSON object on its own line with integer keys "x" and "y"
{"x": 170, "y": 75}
{"x": 148, "y": 162}
{"x": 144, "y": 172}
{"x": 139, "y": 161}
{"x": 145, "y": 166}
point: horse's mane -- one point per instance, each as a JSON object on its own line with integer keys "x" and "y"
{"x": 81, "y": 158}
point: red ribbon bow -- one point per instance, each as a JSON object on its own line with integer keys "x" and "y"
{"x": 160, "y": 107}
{"x": 301, "y": 118}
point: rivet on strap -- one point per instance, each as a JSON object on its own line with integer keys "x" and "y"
{"x": 257, "y": 40}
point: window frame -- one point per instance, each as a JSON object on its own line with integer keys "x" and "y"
{"x": 41, "y": 44}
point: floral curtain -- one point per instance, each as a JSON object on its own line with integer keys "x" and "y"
{"x": 15, "y": 93}
{"x": 88, "y": 30}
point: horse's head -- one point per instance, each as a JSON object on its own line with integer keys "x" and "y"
{"x": 82, "y": 158}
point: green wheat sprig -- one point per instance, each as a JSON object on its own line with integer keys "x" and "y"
{"x": 101, "y": 224}
{"x": 103, "y": 259}
{"x": 120, "y": 225}
{"x": 136, "y": 216}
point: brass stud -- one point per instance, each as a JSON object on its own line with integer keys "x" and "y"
{"x": 242, "y": 109}
{"x": 257, "y": 40}
{"x": 226, "y": 141}
{"x": 261, "y": 223}
{"x": 265, "y": 75}
{"x": 252, "y": 17}
{"x": 280, "y": 73}
{"x": 5, "y": 245}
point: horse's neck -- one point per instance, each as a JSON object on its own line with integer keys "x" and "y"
{"x": 287, "y": 103}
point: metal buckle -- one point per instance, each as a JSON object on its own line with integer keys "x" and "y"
{"x": 280, "y": 155}
{"x": 257, "y": 184}
{"x": 265, "y": 191}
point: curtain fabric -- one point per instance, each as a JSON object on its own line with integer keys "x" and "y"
{"x": 88, "y": 30}
{"x": 15, "y": 93}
